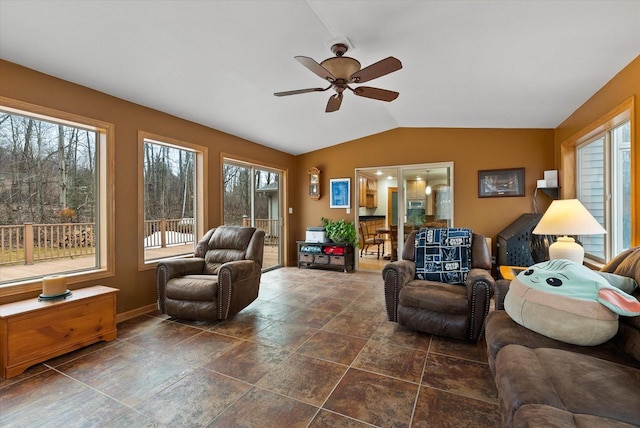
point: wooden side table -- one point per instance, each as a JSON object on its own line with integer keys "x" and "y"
{"x": 34, "y": 331}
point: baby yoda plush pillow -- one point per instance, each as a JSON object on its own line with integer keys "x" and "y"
{"x": 569, "y": 302}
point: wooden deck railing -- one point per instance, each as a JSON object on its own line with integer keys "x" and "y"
{"x": 270, "y": 226}
{"x": 29, "y": 243}
{"x": 166, "y": 232}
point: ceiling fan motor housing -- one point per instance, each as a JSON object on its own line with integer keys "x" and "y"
{"x": 342, "y": 67}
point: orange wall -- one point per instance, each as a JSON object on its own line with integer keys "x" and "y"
{"x": 621, "y": 87}
{"x": 469, "y": 149}
{"x": 137, "y": 288}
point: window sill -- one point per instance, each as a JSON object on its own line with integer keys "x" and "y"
{"x": 593, "y": 264}
{"x": 35, "y": 284}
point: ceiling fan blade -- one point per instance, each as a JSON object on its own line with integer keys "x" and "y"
{"x": 376, "y": 93}
{"x": 300, "y": 91}
{"x": 334, "y": 103}
{"x": 380, "y": 68}
{"x": 312, "y": 65}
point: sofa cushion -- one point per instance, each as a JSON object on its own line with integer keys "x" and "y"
{"x": 443, "y": 255}
{"x": 535, "y": 416}
{"x": 576, "y": 383}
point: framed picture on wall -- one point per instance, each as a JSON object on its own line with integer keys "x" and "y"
{"x": 494, "y": 183}
{"x": 339, "y": 192}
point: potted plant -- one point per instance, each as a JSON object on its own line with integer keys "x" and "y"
{"x": 341, "y": 232}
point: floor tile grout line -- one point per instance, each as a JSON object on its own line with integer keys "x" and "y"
{"x": 461, "y": 358}
{"x": 68, "y": 376}
{"x": 424, "y": 368}
{"x": 496, "y": 403}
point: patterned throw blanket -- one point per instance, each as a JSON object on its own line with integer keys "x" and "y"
{"x": 443, "y": 255}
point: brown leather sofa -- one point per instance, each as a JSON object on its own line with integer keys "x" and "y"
{"x": 546, "y": 383}
{"x": 221, "y": 279}
{"x": 450, "y": 310}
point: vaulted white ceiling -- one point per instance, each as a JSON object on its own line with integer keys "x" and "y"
{"x": 489, "y": 64}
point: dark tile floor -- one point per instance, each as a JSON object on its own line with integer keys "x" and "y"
{"x": 315, "y": 350}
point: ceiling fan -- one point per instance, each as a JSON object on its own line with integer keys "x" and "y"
{"x": 341, "y": 71}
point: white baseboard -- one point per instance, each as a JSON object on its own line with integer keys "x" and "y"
{"x": 136, "y": 312}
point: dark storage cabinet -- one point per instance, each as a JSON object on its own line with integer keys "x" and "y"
{"x": 517, "y": 246}
{"x": 326, "y": 255}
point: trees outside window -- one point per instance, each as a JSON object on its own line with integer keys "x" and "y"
{"x": 53, "y": 187}
{"x": 170, "y": 219}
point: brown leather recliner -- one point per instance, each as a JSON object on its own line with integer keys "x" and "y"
{"x": 220, "y": 280}
{"x": 450, "y": 310}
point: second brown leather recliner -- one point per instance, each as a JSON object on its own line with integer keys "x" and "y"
{"x": 451, "y": 310}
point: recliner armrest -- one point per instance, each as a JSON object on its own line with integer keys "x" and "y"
{"x": 238, "y": 269}
{"x": 480, "y": 286}
{"x": 239, "y": 283}
{"x": 396, "y": 275}
{"x": 181, "y": 267}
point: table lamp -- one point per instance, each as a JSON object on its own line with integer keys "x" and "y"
{"x": 567, "y": 217}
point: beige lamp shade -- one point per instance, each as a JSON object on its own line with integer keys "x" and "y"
{"x": 567, "y": 217}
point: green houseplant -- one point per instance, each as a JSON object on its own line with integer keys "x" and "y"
{"x": 341, "y": 232}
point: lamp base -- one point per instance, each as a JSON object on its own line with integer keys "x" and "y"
{"x": 566, "y": 248}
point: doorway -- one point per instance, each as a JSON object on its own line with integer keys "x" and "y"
{"x": 252, "y": 196}
{"x": 407, "y": 198}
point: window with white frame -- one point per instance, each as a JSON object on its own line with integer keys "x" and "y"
{"x": 172, "y": 180}
{"x": 54, "y": 194}
{"x": 603, "y": 185}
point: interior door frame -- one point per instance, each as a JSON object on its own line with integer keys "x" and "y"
{"x": 400, "y": 186}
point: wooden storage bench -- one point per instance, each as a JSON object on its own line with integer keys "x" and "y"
{"x": 34, "y": 331}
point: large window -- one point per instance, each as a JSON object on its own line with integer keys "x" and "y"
{"x": 172, "y": 182}
{"x": 604, "y": 187}
{"x": 54, "y": 182}
{"x": 603, "y": 171}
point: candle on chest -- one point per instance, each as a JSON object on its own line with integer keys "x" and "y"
{"x": 54, "y": 285}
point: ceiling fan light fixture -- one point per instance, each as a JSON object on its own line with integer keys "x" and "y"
{"x": 341, "y": 71}
{"x": 342, "y": 67}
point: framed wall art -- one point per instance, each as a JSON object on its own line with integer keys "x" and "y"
{"x": 494, "y": 183}
{"x": 339, "y": 192}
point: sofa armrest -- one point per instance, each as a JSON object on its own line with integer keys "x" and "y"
{"x": 395, "y": 276}
{"x": 480, "y": 286}
{"x": 175, "y": 268}
{"x": 239, "y": 283}
{"x": 500, "y": 291}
